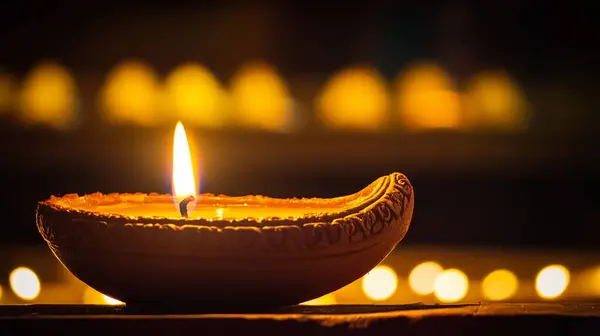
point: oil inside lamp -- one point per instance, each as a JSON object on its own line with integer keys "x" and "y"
{"x": 190, "y": 205}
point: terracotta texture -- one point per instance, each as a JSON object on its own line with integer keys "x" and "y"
{"x": 273, "y": 261}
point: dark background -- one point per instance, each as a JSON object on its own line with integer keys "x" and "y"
{"x": 535, "y": 188}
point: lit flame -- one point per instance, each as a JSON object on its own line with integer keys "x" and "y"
{"x": 184, "y": 183}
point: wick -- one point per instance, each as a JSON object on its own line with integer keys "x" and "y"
{"x": 183, "y": 205}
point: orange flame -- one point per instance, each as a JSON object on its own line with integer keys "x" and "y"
{"x": 184, "y": 182}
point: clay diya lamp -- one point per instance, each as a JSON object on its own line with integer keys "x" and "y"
{"x": 215, "y": 249}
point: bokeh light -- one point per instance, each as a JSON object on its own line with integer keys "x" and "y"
{"x": 552, "y": 281}
{"x": 261, "y": 99}
{"x": 49, "y": 96}
{"x": 494, "y": 100}
{"x": 451, "y": 285}
{"x": 1, "y": 293}
{"x": 422, "y": 277}
{"x": 25, "y": 283}
{"x": 380, "y": 283}
{"x": 499, "y": 285}
{"x": 594, "y": 280}
{"x": 426, "y": 98}
{"x": 356, "y": 98}
{"x": 8, "y": 92}
{"x": 193, "y": 95}
{"x": 325, "y": 300}
{"x": 131, "y": 95}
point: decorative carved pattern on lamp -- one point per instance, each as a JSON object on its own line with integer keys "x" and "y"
{"x": 112, "y": 252}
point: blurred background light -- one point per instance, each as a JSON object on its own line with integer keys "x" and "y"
{"x": 380, "y": 283}
{"x": 422, "y": 277}
{"x": 499, "y": 285}
{"x": 92, "y": 296}
{"x": 494, "y": 100}
{"x": 527, "y": 126}
{"x": 451, "y": 285}
{"x": 131, "y": 95}
{"x": 25, "y": 283}
{"x": 8, "y": 93}
{"x": 49, "y": 96}
{"x": 595, "y": 280}
{"x": 110, "y": 301}
{"x": 552, "y": 281}
{"x": 194, "y": 96}
{"x": 325, "y": 300}
{"x": 426, "y": 97}
{"x": 260, "y": 98}
{"x": 384, "y": 284}
{"x": 356, "y": 99}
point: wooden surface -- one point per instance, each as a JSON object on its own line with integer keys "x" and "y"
{"x": 476, "y": 319}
